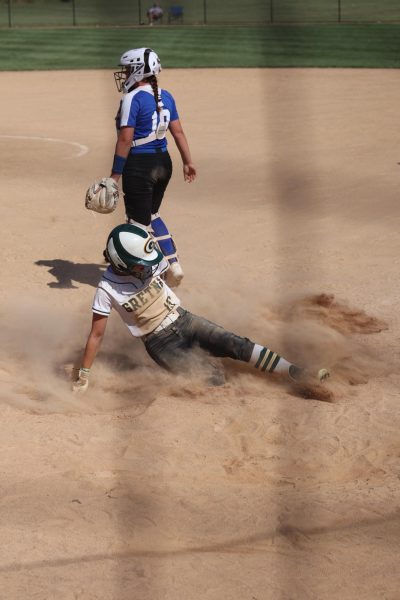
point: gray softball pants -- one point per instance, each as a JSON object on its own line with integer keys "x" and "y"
{"x": 169, "y": 347}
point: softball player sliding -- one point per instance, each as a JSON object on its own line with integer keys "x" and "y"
{"x": 134, "y": 286}
{"x": 145, "y": 115}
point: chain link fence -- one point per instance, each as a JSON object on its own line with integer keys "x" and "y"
{"x": 132, "y": 13}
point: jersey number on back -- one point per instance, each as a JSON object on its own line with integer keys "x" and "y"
{"x": 161, "y": 129}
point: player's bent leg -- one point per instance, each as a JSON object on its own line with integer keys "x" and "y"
{"x": 168, "y": 349}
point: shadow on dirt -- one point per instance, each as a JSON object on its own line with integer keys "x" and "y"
{"x": 67, "y": 272}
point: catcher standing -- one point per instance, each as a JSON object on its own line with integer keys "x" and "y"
{"x": 134, "y": 286}
{"x": 145, "y": 115}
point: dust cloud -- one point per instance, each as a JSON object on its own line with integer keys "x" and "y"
{"x": 41, "y": 352}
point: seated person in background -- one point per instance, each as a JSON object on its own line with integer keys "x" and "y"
{"x": 154, "y": 13}
{"x": 135, "y": 287}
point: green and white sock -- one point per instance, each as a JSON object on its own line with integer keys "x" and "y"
{"x": 265, "y": 359}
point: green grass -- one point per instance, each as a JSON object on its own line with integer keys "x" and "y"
{"x": 270, "y": 46}
{"x": 240, "y": 12}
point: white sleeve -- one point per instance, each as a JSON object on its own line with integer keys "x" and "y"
{"x": 125, "y": 110}
{"x": 101, "y": 303}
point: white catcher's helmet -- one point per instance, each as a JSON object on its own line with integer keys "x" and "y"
{"x": 137, "y": 64}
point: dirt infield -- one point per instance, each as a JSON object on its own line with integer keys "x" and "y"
{"x": 158, "y": 488}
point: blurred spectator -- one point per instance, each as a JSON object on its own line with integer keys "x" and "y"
{"x": 155, "y": 13}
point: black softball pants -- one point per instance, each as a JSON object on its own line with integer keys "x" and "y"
{"x": 169, "y": 347}
{"x": 144, "y": 181}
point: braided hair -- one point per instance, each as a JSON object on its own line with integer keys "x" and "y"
{"x": 154, "y": 86}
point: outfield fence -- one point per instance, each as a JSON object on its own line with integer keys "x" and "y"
{"x": 43, "y": 13}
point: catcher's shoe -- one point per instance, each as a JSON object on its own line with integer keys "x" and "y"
{"x": 299, "y": 375}
{"x": 174, "y": 274}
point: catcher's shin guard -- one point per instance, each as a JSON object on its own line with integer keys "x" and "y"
{"x": 163, "y": 238}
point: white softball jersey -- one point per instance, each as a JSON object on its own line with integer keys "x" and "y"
{"x": 142, "y": 305}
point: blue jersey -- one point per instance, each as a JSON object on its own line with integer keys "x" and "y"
{"x": 138, "y": 110}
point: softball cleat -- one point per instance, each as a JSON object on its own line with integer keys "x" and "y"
{"x": 323, "y": 375}
{"x": 299, "y": 375}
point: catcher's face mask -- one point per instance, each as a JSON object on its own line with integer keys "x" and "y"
{"x": 121, "y": 77}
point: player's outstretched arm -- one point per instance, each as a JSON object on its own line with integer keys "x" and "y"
{"x": 189, "y": 170}
{"x": 99, "y": 324}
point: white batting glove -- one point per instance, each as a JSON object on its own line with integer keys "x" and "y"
{"x": 82, "y": 383}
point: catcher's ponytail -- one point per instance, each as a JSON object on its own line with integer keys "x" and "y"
{"x": 154, "y": 86}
